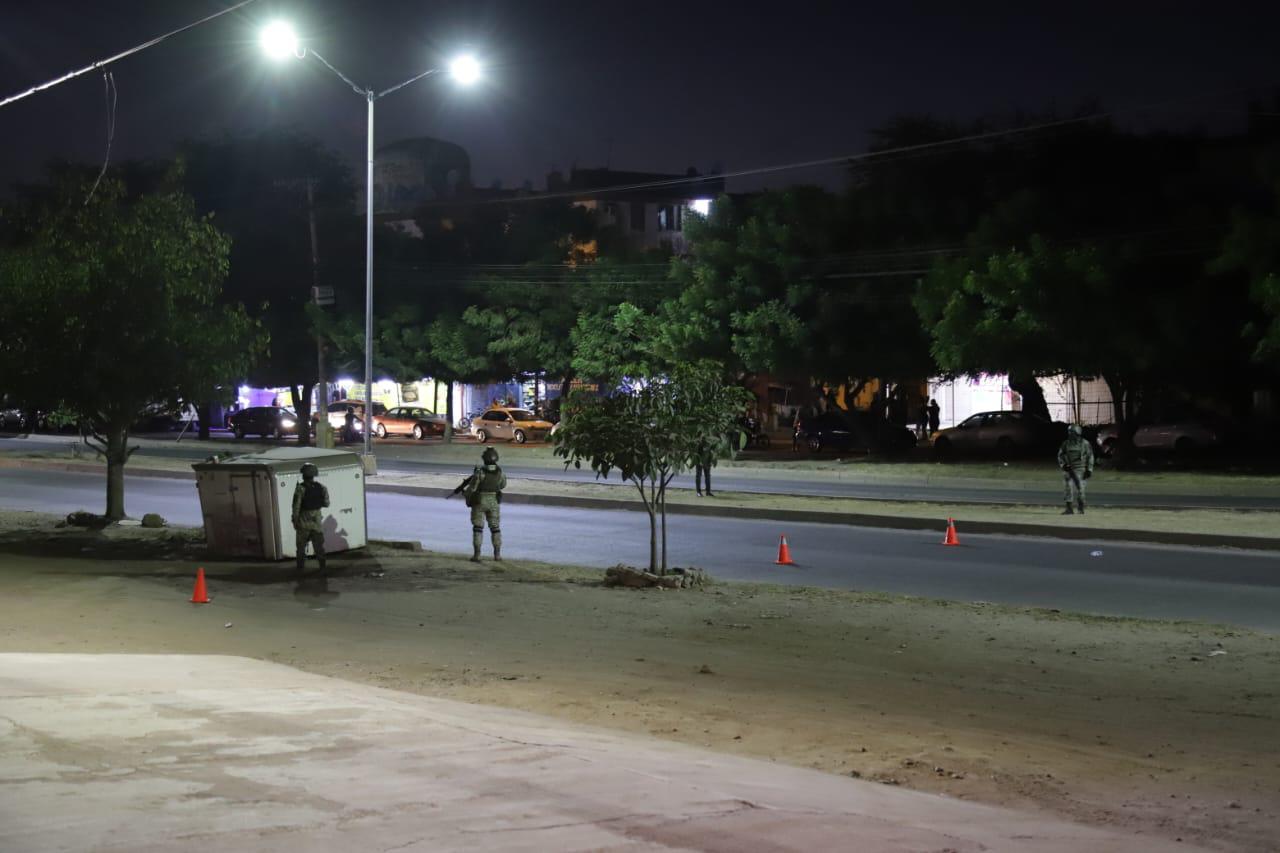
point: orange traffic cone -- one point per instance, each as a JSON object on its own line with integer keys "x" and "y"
{"x": 950, "y": 538}
{"x": 784, "y": 552}
{"x": 200, "y": 595}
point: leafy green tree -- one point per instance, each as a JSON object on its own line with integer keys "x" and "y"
{"x": 114, "y": 305}
{"x": 768, "y": 286}
{"x": 649, "y": 433}
{"x": 1253, "y": 247}
{"x": 1035, "y": 311}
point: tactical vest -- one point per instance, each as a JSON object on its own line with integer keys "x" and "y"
{"x": 490, "y": 480}
{"x": 312, "y": 495}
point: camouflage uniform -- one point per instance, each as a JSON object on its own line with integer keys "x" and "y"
{"x": 484, "y": 496}
{"x": 308, "y": 522}
{"x": 1075, "y": 458}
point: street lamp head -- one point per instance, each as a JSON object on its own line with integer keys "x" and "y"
{"x": 465, "y": 69}
{"x": 279, "y": 41}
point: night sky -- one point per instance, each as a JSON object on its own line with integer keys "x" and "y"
{"x": 643, "y": 86}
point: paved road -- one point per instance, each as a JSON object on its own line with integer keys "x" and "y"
{"x": 409, "y": 457}
{"x": 1236, "y": 587}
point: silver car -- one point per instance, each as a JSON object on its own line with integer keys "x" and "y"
{"x": 1181, "y": 437}
{"x": 998, "y": 432}
{"x": 518, "y": 425}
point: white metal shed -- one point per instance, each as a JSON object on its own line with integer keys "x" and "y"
{"x": 247, "y": 501}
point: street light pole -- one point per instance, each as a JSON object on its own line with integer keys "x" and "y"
{"x": 370, "y": 464}
{"x": 279, "y": 41}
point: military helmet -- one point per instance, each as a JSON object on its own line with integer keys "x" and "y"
{"x": 490, "y": 456}
{"x": 309, "y": 471}
{"x": 1075, "y": 430}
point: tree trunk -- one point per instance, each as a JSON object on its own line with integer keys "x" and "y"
{"x": 1033, "y": 401}
{"x": 302, "y": 408}
{"x": 651, "y": 506}
{"x": 448, "y": 412}
{"x": 204, "y": 412}
{"x": 1124, "y": 454}
{"x": 662, "y": 504}
{"x": 117, "y": 455}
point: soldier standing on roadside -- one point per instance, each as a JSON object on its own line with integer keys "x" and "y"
{"x": 309, "y": 499}
{"x": 1075, "y": 458}
{"x": 483, "y": 491}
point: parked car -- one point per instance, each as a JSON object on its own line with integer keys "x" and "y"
{"x": 1003, "y": 433}
{"x": 408, "y": 420}
{"x": 267, "y": 421}
{"x": 160, "y": 418}
{"x": 13, "y": 420}
{"x": 518, "y": 425}
{"x": 337, "y": 413}
{"x": 853, "y": 431}
{"x": 1182, "y": 437}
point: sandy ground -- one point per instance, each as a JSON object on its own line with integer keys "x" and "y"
{"x": 1144, "y": 727}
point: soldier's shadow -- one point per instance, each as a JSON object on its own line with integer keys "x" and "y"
{"x": 313, "y": 591}
{"x": 335, "y": 537}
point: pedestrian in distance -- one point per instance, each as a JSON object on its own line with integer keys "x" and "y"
{"x": 309, "y": 500}
{"x": 704, "y": 459}
{"x": 483, "y": 492}
{"x": 349, "y": 425}
{"x": 1075, "y": 458}
{"x": 922, "y": 422}
{"x": 935, "y": 412}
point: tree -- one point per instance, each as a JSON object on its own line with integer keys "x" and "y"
{"x": 271, "y": 193}
{"x": 649, "y": 433}
{"x": 1253, "y": 247}
{"x": 1035, "y": 312}
{"x": 114, "y": 306}
{"x": 769, "y": 285}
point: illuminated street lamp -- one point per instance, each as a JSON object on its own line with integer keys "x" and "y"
{"x": 279, "y": 41}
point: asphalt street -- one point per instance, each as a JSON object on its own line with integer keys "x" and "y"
{"x": 1215, "y": 585}
{"x": 408, "y": 457}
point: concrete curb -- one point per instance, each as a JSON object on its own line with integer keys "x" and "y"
{"x": 892, "y": 522}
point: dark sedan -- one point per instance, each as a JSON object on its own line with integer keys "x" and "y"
{"x": 858, "y": 431}
{"x": 266, "y": 421}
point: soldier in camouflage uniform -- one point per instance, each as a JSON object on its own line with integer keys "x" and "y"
{"x": 1075, "y": 458}
{"x": 484, "y": 495}
{"x": 309, "y": 500}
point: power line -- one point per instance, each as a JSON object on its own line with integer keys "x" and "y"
{"x": 849, "y": 159}
{"x": 104, "y": 62}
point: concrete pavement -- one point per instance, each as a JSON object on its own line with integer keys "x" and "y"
{"x": 203, "y": 753}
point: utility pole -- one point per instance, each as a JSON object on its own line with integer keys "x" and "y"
{"x": 320, "y": 297}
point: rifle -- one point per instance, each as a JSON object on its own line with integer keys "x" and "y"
{"x": 461, "y": 486}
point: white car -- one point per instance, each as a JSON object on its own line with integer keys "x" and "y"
{"x": 1181, "y": 437}
{"x": 337, "y": 413}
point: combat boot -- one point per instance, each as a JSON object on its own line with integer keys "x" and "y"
{"x": 1068, "y": 510}
{"x": 1080, "y": 505}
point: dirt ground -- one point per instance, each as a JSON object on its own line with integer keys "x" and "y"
{"x": 1164, "y": 729}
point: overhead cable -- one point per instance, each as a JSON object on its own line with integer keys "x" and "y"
{"x": 93, "y": 66}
